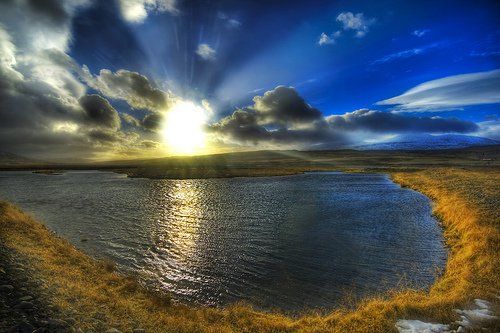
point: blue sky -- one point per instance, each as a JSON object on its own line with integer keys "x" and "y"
{"x": 95, "y": 79}
{"x": 258, "y": 46}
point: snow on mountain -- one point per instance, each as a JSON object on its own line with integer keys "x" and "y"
{"x": 428, "y": 142}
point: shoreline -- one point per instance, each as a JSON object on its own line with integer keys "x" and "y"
{"x": 456, "y": 287}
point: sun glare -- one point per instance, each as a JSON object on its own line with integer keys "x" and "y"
{"x": 183, "y": 128}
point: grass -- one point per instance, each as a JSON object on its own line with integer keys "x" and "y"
{"x": 466, "y": 202}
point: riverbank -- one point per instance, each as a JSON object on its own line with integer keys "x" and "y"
{"x": 97, "y": 298}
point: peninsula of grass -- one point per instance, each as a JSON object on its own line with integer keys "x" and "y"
{"x": 97, "y": 297}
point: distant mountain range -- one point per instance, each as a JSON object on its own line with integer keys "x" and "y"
{"x": 429, "y": 142}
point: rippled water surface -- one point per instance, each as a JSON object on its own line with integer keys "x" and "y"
{"x": 292, "y": 242}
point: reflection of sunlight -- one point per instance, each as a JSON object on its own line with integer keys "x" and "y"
{"x": 185, "y": 216}
{"x": 177, "y": 228}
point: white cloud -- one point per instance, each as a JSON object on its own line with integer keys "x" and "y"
{"x": 420, "y": 32}
{"x": 206, "y": 52}
{"x": 136, "y": 11}
{"x": 324, "y": 39}
{"x": 449, "y": 93}
{"x": 489, "y": 129}
{"x": 357, "y": 22}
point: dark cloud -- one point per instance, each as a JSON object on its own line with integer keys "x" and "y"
{"x": 150, "y": 122}
{"x": 131, "y": 87}
{"x": 283, "y": 106}
{"x": 378, "y": 121}
{"x": 244, "y": 126}
{"x": 103, "y": 136}
{"x": 281, "y": 117}
{"x": 53, "y": 11}
{"x": 99, "y": 112}
{"x": 241, "y": 126}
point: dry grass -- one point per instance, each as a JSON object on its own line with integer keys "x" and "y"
{"x": 97, "y": 297}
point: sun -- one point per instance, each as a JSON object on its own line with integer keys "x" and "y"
{"x": 183, "y": 128}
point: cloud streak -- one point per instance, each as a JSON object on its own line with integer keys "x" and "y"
{"x": 449, "y": 93}
{"x": 408, "y": 53}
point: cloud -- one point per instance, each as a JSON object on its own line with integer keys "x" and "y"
{"x": 490, "y": 129}
{"x": 99, "y": 112}
{"x": 131, "y": 120}
{"x": 230, "y": 23}
{"x": 52, "y": 107}
{"x": 136, "y": 11}
{"x": 45, "y": 110}
{"x": 448, "y": 93}
{"x": 36, "y": 25}
{"x": 420, "y": 32}
{"x": 282, "y": 106}
{"x": 281, "y": 118}
{"x": 387, "y": 122}
{"x": 324, "y": 39}
{"x": 35, "y": 95}
{"x": 51, "y": 10}
{"x": 150, "y": 122}
{"x": 408, "y": 53}
{"x": 485, "y": 54}
{"x": 131, "y": 87}
{"x": 242, "y": 128}
{"x": 349, "y": 21}
{"x": 206, "y": 52}
{"x": 356, "y": 22}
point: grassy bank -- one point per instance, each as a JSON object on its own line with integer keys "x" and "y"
{"x": 99, "y": 298}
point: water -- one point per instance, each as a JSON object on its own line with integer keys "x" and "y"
{"x": 293, "y": 243}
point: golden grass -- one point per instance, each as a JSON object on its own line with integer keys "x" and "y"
{"x": 97, "y": 297}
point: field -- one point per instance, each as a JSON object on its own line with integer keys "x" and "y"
{"x": 285, "y": 162}
{"x": 463, "y": 185}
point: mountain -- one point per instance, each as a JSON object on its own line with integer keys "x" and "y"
{"x": 429, "y": 142}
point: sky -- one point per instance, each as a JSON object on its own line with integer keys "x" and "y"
{"x": 97, "y": 80}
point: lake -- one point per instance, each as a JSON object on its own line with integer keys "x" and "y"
{"x": 292, "y": 243}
